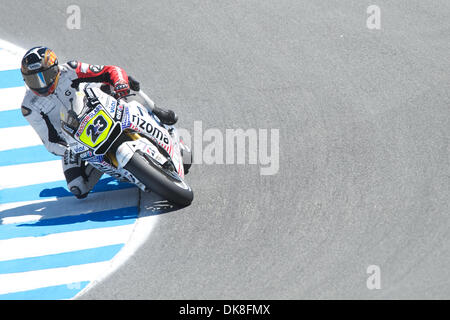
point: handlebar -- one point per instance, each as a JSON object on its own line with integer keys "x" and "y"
{"x": 144, "y": 96}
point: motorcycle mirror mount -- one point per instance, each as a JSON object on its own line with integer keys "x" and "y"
{"x": 146, "y": 98}
{"x": 124, "y": 97}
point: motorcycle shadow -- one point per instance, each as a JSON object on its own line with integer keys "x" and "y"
{"x": 109, "y": 201}
{"x": 152, "y": 204}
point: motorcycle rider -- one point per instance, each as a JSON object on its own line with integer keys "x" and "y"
{"x": 51, "y": 86}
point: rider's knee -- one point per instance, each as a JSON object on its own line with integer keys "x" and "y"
{"x": 80, "y": 178}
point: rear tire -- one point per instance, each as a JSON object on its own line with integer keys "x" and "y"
{"x": 154, "y": 179}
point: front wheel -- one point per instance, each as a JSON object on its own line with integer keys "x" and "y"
{"x": 153, "y": 178}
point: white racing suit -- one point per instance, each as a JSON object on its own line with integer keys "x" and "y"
{"x": 43, "y": 114}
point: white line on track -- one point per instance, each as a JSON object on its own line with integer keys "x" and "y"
{"x": 23, "y": 281}
{"x": 20, "y": 175}
{"x": 11, "y": 98}
{"x": 23, "y": 137}
{"x": 9, "y": 61}
{"x": 9, "y": 55}
{"x": 18, "y": 248}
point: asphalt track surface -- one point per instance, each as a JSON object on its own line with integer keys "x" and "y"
{"x": 363, "y": 117}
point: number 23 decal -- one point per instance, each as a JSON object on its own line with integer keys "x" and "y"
{"x": 95, "y": 130}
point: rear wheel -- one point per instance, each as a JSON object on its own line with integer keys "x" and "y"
{"x": 155, "y": 179}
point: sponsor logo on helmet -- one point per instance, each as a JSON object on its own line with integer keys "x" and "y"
{"x": 35, "y": 66}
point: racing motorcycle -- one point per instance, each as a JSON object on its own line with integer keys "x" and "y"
{"x": 124, "y": 139}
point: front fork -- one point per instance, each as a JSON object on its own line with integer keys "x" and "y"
{"x": 111, "y": 154}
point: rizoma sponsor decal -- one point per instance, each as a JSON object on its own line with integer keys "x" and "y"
{"x": 147, "y": 127}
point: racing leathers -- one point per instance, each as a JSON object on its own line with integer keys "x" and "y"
{"x": 43, "y": 114}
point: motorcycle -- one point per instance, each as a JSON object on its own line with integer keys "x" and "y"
{"x": 124, "y": 139}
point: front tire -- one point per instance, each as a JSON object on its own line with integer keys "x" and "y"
{"x": 177, "y": 192}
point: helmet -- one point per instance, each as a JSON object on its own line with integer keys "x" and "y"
{"x": 40, "y": 70}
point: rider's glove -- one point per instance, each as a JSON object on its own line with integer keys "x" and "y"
{"x": 121, "y": 89}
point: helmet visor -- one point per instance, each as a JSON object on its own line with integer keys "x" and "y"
{"x": 42, "y": 80}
